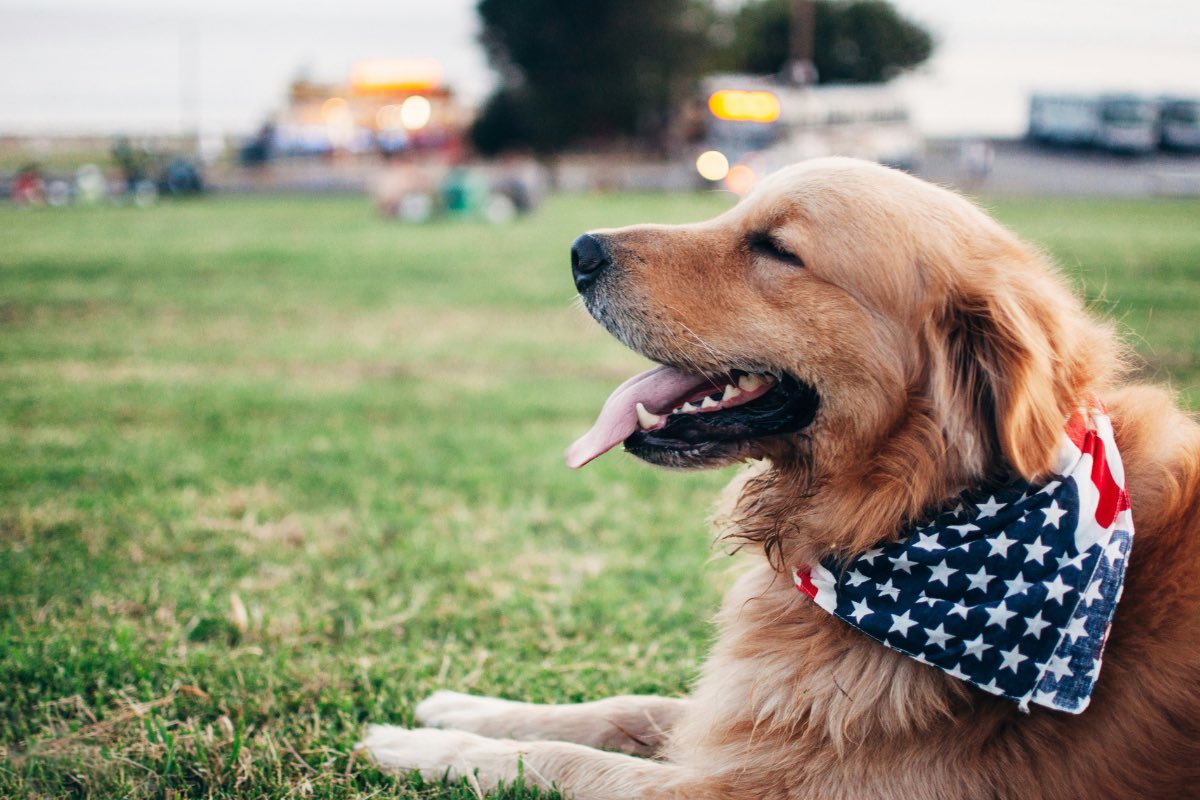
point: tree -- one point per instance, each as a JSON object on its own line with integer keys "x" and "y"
{"x": 576, "y": 72}
{"x": 860, "y": 41}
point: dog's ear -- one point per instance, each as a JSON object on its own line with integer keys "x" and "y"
{"x": 1022, "y": 352}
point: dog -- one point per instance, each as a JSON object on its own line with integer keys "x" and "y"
{"x": 875, "y": 346}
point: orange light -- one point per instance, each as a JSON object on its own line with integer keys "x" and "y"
{"x": 740, "y": 179}
{"x": 375, "y": 75}
{"x": 740, "y": 106}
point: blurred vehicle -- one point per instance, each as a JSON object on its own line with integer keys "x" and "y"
{"x": 1067, "y": 120}
{"x": 1179, "y": 123}
{"x": 1128, "y": 124}
{"x": 390, "y": 106}
{"x": 756, "y": 124}
{"x": 1117, "y": 123}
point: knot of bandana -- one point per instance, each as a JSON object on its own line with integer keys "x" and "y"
{"x": 1012, "y": 590}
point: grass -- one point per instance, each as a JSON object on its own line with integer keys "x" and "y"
{"x": 271, "y": 469}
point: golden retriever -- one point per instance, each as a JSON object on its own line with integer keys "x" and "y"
{"x": 900, "y": 345}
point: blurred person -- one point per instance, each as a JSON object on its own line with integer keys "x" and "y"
{"x": 132, "y": 162}
{"x": 975, "y": 157}
{"x": 58, "y": 193}
{"x": 464, "y": 192}
{"x": 407, "y": 188}
{"x": 181, "y": 177}
{"x": 520, "y": 180}
{"x": 91, "y": 187}
{"x": 29, "y": 188}
{"x": 260, "y": 148}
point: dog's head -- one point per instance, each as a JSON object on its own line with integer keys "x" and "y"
{"x": 850, "y": 324}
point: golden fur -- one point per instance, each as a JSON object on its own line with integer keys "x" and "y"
{"x": 944, "y": 350}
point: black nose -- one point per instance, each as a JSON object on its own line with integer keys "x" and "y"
{"x": 588, "y": 260}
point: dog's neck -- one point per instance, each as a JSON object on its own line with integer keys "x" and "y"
{"x": 804, "y": 510}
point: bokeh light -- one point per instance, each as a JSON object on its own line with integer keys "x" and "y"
{"x": 334, "y": 109}
{"x": 740, "y": 179}
{"x": 712, "y": 165}
{"x": 741, "y": 106}
{"x": 415, "y": 112}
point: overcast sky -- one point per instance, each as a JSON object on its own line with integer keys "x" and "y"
{"x": 102, "y": 65}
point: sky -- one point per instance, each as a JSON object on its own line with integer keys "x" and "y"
{"x": 161, "y": 65}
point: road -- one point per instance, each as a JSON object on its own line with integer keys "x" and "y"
{"x": 1020, "y": 168}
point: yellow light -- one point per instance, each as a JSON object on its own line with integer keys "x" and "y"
{"x": 375, "y": 75}
{"x": 740, "y": 179}
{"x": 742, "y": 106}
{"x": 712, "y": 165}
{"x": 415, "y": 112}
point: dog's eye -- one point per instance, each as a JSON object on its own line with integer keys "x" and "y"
{"x": 764, "y": 244}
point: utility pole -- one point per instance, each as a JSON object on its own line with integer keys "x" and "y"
{"x": 189, "y": 83}
{"x": 802, "y": 43}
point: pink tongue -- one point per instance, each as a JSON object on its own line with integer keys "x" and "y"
{"x": 655, "y": 388}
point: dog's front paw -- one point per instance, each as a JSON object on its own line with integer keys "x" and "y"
{"x": 436, "y": 754}
{"x": 445, "y": 709}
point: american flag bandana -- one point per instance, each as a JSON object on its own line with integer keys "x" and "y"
{"x": 1013, "y": 590}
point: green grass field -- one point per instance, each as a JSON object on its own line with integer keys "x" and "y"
{"x": 271, "y": 469}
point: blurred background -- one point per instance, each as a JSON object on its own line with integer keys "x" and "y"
{"x": 290, "y": 350}
{"x": 378, "y": 96}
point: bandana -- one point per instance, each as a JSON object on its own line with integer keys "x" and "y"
{"x": 1013, "y": 590}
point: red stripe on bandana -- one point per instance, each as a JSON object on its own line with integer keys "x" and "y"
{"x": 804, "y": 582}
{"x": 1077, "y": 429}
{"x": 1113, "y": 499}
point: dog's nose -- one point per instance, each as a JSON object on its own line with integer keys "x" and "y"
{"x": 588, "y": 260}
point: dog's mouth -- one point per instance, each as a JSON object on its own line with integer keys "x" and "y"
{"x": 675, "y": 418}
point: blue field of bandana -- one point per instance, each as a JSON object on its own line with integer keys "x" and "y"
{"x": 992, "y": 592}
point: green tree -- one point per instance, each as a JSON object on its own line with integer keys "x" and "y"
{"x": 860, "y": 41}
{"x": 585, "y": 72}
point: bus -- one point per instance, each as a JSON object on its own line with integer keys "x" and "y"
{"x": 1117, "y": 123}
{"x": 1179, "y": 123}
{"x": 1065, "y": 120}
{"x": 1128, "y": 124}
{"x": 754, "y": 125}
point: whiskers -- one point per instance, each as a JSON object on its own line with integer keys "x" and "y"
{"x": 723, "y": 362}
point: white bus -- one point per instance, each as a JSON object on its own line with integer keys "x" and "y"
{"x": 1119, "y": 123}
{"x": 754, "y": 125}
{"x": 1180, "y": 123}
{"x": 1063, "y": 119}
{"x": 1128, "y": 124}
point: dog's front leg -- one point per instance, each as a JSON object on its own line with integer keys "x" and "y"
{"x": 634, "y": 724}
{"x": 580, "y": 773}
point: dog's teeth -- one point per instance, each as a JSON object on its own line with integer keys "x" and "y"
{"x": 688, "y": 408}
{"x": 731, "y": 392}
{"x": 748, "y": 383}
{"x": 709, "y": 403}
{"x": 645, "y": 418}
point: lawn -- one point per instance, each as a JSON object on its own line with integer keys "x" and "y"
{"x": 273, "y": 468}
